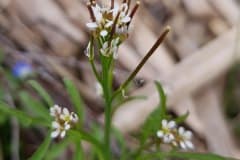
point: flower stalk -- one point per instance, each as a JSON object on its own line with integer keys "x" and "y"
{"x": 144, "y": 60}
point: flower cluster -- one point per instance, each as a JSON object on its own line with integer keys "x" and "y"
{"x": 110, "y": 24}
{"x": 63, "y": 121}
{"x": 178, "y": 137}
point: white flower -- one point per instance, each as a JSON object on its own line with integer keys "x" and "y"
{"x": 92, "y": 26}
{"x": 114, "y": 46}
{"x": 55, "y": 110}
{"x": 59, "y": 130}
{"x": 167, "y": 131}
{"x": 185, "y": 137}
{"x": 65, "y": 116}
{"x": 63, "y": 121}
{"x": 105, "y": 16}
{"x": 105, "y": 49}
{"x": 104, "y": 33}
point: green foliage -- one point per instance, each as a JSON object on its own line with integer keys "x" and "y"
{"x": 42, "y": 149}
{"x": 78, "y": 151}
{"x": 22, "y": 117}
{"x": 75, "y": 99}
{"x": 81, "y": 135}
{"x": 153, "y": 122}
{"x": 182, "y": 118}
{"x": 57, "y": 149}
{"x": 185, "y": 156}
{"x": 42, "y": 92}
{"x": 34, "y": 106}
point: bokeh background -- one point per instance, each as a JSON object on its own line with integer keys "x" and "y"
{"x": 198, "y": 65}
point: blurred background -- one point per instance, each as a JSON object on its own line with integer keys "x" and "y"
{"x": 198, "y": 65}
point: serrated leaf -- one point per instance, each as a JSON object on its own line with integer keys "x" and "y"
{"x": 42, "y": 92}
{"x": 153, "y": 122}
{"x": 75, "y": 98}
{"x": 42, "y": 150}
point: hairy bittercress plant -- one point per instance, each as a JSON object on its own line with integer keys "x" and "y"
{"x": 109, "y": 28}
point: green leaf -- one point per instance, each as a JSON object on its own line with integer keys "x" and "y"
{"x": 42, "y": 150}
{"x": 185, "y": 156}
{"x": 81, "y": 135}
{"x": 75, "y": 98}
{"x": 79, "y": 155}
{"x": 33, "y": 106}
{"x": 21, "y": 116}
{"x": 182, "y": 118}
{"x": 123, "y": 147}
{"x": 57, "y": 149}
{"x": 153, "y": 122}
{"x": 42, "y": 92}
{"x": 163, "y": 99}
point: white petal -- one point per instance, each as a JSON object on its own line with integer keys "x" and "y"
{"x": 55, "y": 124}
{"x": 115, "y": 52}
{"x": 109, "y": 24}
{"x": 55, "y": 110}
{"x": 63, "y": 133}
{"x": 160, "y": 134}
{"x": 67, "y": 126}
{"x": 103, "y": 33}
{"x": 166, "y": 139}
{"x": 105, "y": 45}
{"x": 171, "y": 124}
{"x": 66, "y": 112}
{"x": 171, "y": 137}
{"x": 97, "y": 13}
{"x": 115, "y": 10}
{"x": 164, "y": 123}
{"x": 55, "y": 134}
{"x": 189, "y": 144}
{"x": 92, "y": 26}
{"x": 126, "y": 19}
{"x": 188, "y": 134}
{"x": 182, "y": 145}
{"x": 181, "y": 131}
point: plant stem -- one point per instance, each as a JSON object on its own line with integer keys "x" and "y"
{"x": 144, "y": 60}
{"x": 107, "y": 89}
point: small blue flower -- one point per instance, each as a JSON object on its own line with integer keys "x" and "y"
{"x": 21, "y": 69}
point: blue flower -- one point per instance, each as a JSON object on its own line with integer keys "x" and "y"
{"x": 21, "y": 69}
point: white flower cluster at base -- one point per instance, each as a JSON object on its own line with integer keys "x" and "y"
{"x": 63, "y": 121}
{"x": 178, "y": 137}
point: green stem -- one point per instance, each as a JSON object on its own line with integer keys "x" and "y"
{"x": 94, "y": 70}
{"x": 107, "y": 89}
